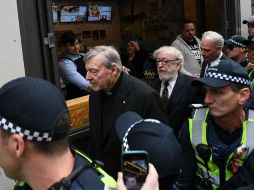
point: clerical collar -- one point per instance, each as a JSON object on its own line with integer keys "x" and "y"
{"x": 115, "y": 87}
{"x": 108, "y": 92}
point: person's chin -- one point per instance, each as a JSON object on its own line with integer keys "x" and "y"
{"x": 95, "y": 89}
{"x": 164, "y": 77}
{"x": 75, "y": 52}
{"x": 215, "y": 113}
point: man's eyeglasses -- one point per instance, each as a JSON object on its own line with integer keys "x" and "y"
{"x": 165, "y": 61}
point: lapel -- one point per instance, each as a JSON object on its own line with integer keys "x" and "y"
{"x": 118, "y": 106}
{"x": 178, "y": 91}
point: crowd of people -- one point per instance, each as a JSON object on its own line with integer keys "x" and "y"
{"x": 194, "y": 119}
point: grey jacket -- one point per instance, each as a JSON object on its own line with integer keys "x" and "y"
{"x": 191, "y": 65}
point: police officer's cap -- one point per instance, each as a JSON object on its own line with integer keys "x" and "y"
{"x": 31, "y": 107}
{"x": 224, "y": 72}
{"x": 236, "y": 41}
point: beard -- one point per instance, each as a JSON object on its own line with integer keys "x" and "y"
{"x": 166, "y": 76}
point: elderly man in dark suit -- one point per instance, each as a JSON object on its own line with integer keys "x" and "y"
{"x": 114, "y": 93}
{"x": 174, "y": 87}
{"x": 211, "y": 49}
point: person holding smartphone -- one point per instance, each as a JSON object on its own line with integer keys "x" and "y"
{"x": 158, "y": 146}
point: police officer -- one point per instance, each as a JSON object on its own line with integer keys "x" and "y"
{"x": 34, "y": 147}
{"x": 72, "y": 67}
{"x": 158, "y": 139}
{"x": 218, "y": 139}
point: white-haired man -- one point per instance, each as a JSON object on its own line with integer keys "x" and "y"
{"x": 174, "y": 87}
{"x": 211, "y": 49}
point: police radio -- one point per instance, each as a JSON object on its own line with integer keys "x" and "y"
{"x": 204, "y": 152}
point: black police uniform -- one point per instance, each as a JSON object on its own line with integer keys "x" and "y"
{"x": 88, "y": 179}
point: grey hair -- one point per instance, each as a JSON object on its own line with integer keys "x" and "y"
{"x": 215, "y": 37}
{"x": 108, "y": 54}
{"x": 178, "y": 54}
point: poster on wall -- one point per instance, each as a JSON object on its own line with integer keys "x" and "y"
{"x": 73, "y": 14}
{"x": 99, "y": 13}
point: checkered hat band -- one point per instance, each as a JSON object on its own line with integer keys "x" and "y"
{"x": 237, "y": 43}
{"x": 226, "y": 77}
{"x": 125, "y": 140}
{"x": 24, "y": 133}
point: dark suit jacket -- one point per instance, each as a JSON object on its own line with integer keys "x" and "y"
{"x": 182, "y": 96}
{"x": 132, "y": 95}
{"x": 203, "y": 67}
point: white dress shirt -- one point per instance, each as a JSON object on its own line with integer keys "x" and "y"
{"x": 171, "y": 84}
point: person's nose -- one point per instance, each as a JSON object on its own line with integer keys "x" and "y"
{"x": 203, "y": 53}
{"x": 208, "y": 98}
{"x": 88, "y": 76}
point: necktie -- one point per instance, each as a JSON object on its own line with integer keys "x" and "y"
{"x": 165, "y": 93}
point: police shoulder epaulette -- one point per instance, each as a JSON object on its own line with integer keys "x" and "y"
{"x": 197, "y": 106}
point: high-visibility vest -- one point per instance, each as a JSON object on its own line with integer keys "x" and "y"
{"x": 106, "y": 179}
{"x": 198, "y": 135}
{"x": 251, "y": 76}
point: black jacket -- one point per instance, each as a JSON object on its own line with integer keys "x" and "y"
{"x": 178, "y": 108}
{"x": 129, "y": 94}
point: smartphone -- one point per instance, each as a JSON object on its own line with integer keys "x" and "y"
{"x": 134, "y": 168}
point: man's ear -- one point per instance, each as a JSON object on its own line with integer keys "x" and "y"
{"x": 219, "y": 48}
{"x": 18, "y": 145}
{"x": 114, "y": 69}
{"x": 244, "y": 95}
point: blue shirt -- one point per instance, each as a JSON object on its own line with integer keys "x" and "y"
{"x": 69, "y": 74}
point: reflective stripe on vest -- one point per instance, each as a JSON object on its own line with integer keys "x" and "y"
{"x": 251, "y": 77}
{"x": 198, "y": 129}
{"x": 106, "y": 179}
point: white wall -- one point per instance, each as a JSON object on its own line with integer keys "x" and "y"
{"x": 11, "y": 57}
{"x": 245, "y": 14}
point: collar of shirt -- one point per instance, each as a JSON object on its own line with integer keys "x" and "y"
{"x": 217, "y": 58}
{"x": 213, "y": 61}
{"x": 115, "y": 87}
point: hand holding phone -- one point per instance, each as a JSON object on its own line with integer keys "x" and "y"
{"x": 151, "y": 182}
{"x": 134, "y": 168}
